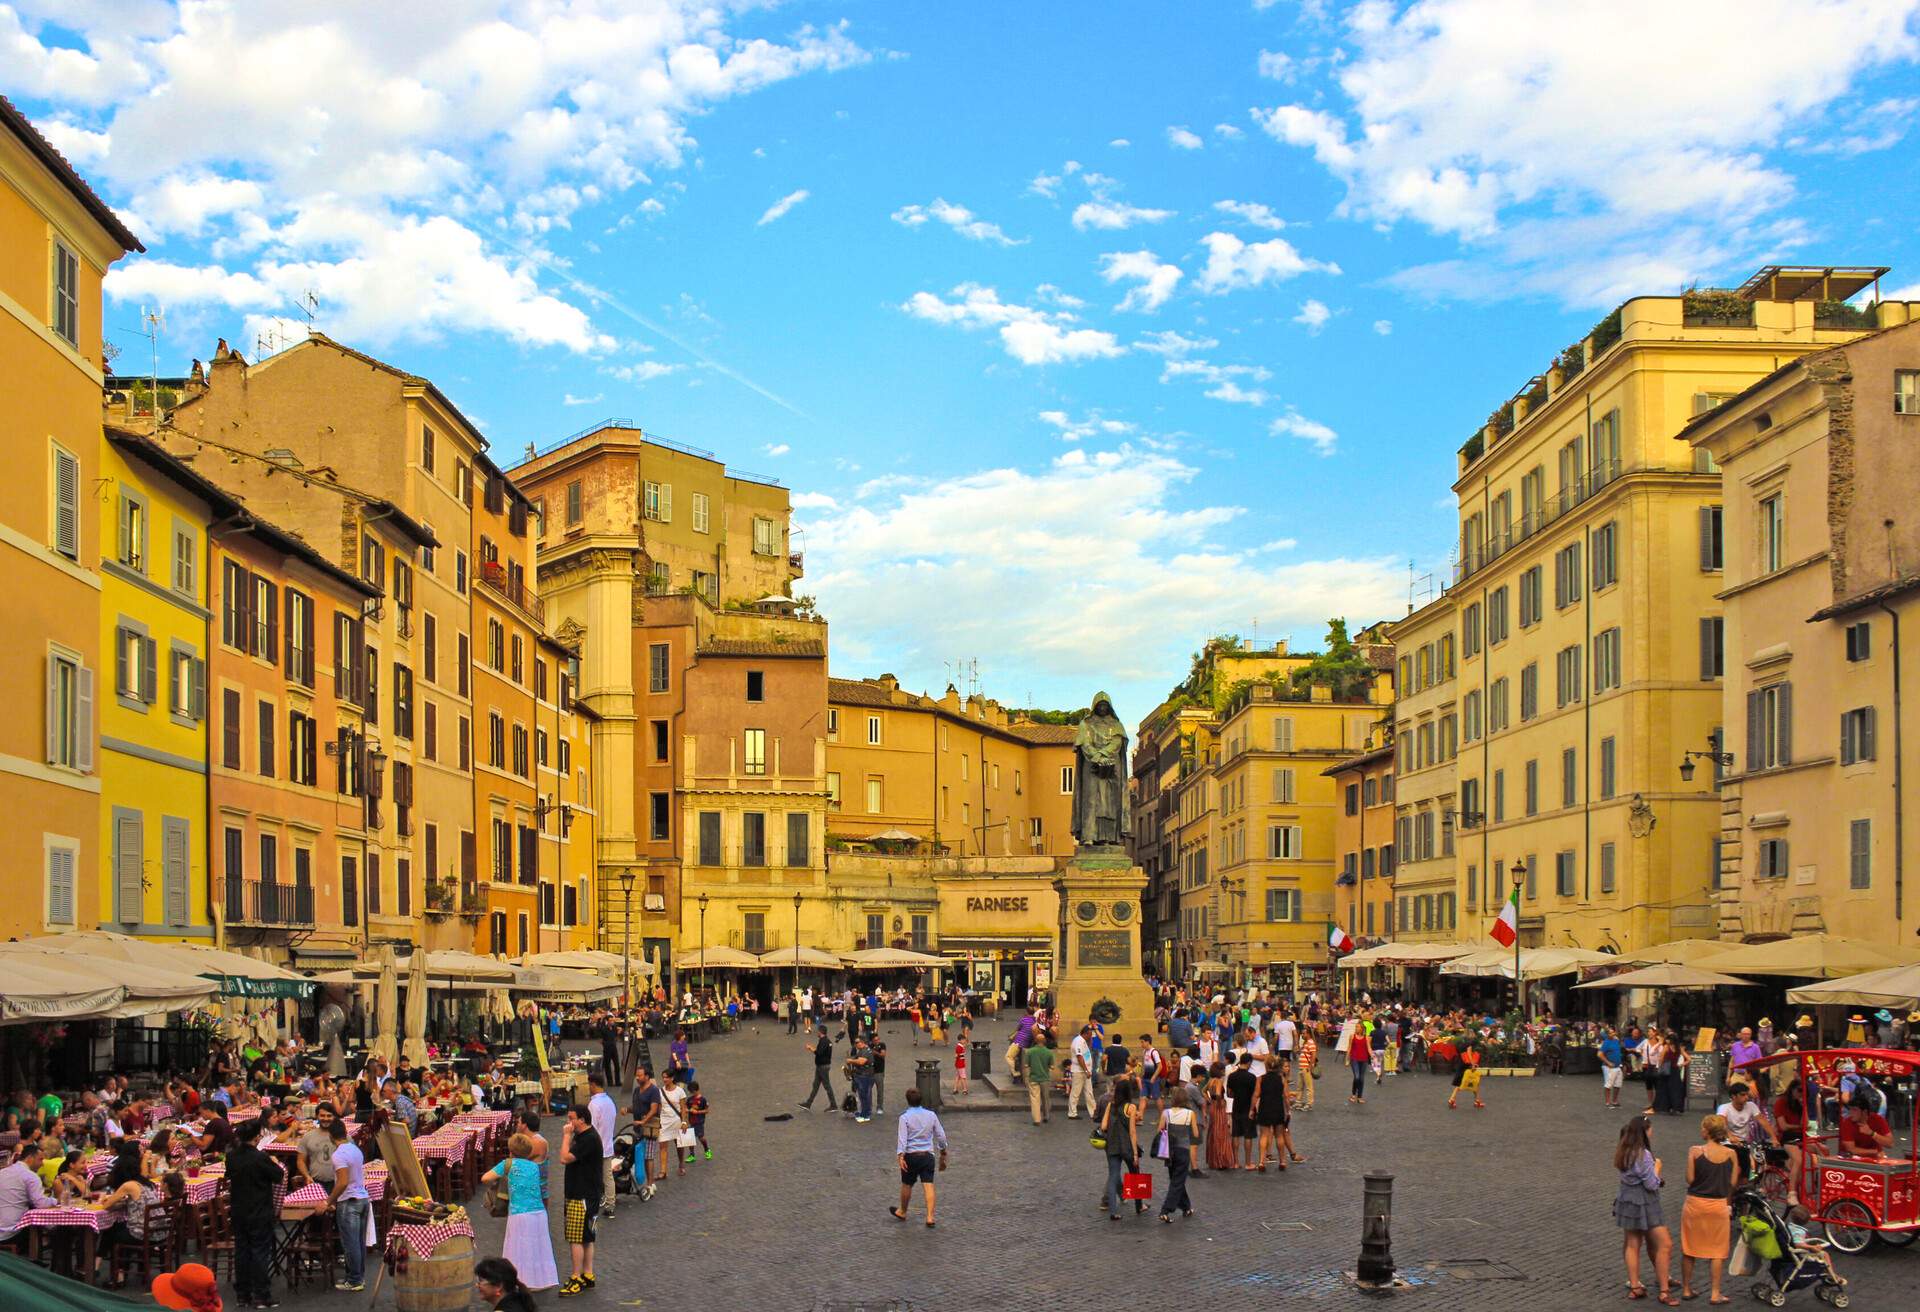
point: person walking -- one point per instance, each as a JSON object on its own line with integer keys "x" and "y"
{"x": 1636, "y": 1210}
{"x": 790, "y": 1006}
{"x": 1360, "y": 1058}
{"x": 675, "y": 1143}
{"x": 1613, "y": 1057}
{"x": 1242, "y": 1099}
{"x": 252, "y": 1177}
{"x": 1307, "y": 1067}
{"x": 601, "y": 1108}
{"x": 528, "y": 1244}
{"x": 822, "y": 1050}
{"x": 1176, "y": 1135}
{"x": 609, "y": 1053}
{"x": 1120, "y": 1123}
{"x": 1466, "y": 1072}
{"x": 349, "y": 1201}
{"x": 1038, "y": 1059}
{"x": 1080, "y": 1073}
{"x": 1706, "y": 1233}
{"x": 580, "y": 1150}
{"x": 920, "y": 1137}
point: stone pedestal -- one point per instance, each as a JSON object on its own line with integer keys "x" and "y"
{"x": 1099, "y": 962}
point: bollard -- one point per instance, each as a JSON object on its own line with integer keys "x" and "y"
{"x": 1375, "y": 1270}
{"x": 926, "y": 1078}
{"x": 982, "y": 1059}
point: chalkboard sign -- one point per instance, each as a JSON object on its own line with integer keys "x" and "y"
{"x": 1704, "y": 1071}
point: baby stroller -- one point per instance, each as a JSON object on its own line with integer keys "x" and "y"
{"x": 625, "y": 1150}
{"x": 1789, "y": 1266}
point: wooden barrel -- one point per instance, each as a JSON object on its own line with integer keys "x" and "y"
{"x": 441, "y": 1283}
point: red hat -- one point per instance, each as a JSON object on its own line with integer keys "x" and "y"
{"x": 191, "y": 1287}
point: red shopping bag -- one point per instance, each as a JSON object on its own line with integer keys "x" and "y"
{"x": 1136, "y": 1186}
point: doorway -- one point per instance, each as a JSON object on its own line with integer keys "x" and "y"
{"x": 1013, "y": 983}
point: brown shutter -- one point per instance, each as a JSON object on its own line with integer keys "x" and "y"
{"x": 1786, "y": 724}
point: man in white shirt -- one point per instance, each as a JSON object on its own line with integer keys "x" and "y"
{"x": 1080, "y": 1074}
{"x": 604, "y": 1113}
{"x": 1257, "y": 1047}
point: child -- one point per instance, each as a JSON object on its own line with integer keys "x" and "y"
{"x": 960, "y": 1065}
{"x": 1812, "y": 1250}
{"x": 697, "y": 1107}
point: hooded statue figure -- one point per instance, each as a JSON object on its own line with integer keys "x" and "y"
{"x": 1100, "y": 766}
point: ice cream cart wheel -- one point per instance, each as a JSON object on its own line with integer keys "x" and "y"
{"x": 1849, "y": 1225}
{"x": 1897, "y": 1238}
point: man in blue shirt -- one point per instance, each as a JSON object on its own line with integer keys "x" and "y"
{"x": 920, "y": 1136}
{"x": 1180, "y": 1031}
{"x": 1613, "y": 1055}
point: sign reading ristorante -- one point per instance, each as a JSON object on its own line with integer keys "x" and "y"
{"x": 997, "y": 904}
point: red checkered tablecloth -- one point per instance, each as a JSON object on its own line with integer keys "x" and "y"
{"x": 203, "y": 1188}
{"x": 489, "y": 1119}
{"x": 90, "y": 1218}
{"x": 313, "y": 1195}
{"x": 425, "y": 1240}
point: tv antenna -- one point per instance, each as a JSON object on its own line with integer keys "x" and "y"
{"x": 153, "y": 324}
{"x": 1413, "y": 587}
{"x": 310, "y": 306}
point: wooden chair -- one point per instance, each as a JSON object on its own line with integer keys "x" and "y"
{"x": 216, "y": 1241}
{"x": 313, "y": 1254}
{"x": 160, "y": 1250}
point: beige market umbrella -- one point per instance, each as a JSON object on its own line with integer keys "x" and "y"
{"x": 1406, "y": 954}
{"x": 891, "y": 959}
{"x": 36, "y": 986}
{"x": 237, "y": 973}
{"x": 1667, "y": 975}
{"x": 1897, "y": 986}
{"x": 1681, "y": 951}
{"x": 591, "y": 959}
{"x": 810, "y": 958}
{"x": 414, "y": 1049}
{"x": 386, "y": 1006}
{"x": 149, "y": 989}
{"x": 552, "y": 984}
{"x": 724, "y": 958}
{"x": 1818, "y": 956}
{"x": 1535, "y": 963}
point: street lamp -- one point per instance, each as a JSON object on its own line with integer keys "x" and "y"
{"x": 1519, "y": 984}
{"x": 703, "y": 940}
{"x": 796, "y": 941}
{"x": 626, "y": 939}
{"x": 1724, "y": 760}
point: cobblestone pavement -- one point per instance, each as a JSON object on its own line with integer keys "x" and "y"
{"x": 1503, "y": 1208}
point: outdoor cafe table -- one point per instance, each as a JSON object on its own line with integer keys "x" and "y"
{"x": 88, "y": 1219}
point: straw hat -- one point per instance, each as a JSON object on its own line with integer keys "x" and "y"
{"x": 1804, "y": 1023}
{"x": 1766, "y": 1023}
{"x": 1884, "y": 1016}
{"x": 1913, "y": 1018}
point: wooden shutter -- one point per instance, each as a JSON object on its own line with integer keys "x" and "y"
{"x": 1866, "y": 734}
{"x": 230, "y": 728}
{"x": 86, "y": 732}
{"x": 149, "y": 671}
{"x": 467, "y": 855}
{"x": 60, "y": 885}
{"x": 1786, "y": 724}
{"x": 197, "y": 703}
{"x": 127, "y": 863}
{"x": 242, "y": 583}
{"x": 309, "y": 765}
{"x": 293, "y": 652}
{"x": 1754, "y": 730}
{"x": 173, "y": 859}
{"x": 126, "y": 679}
{"x": 66, "y": 511}
{"x": 53, "y": 710}
{"x": 1706, "y": 648}
{"x": 1706, "y": 538}
{"x": 269, "y": 604}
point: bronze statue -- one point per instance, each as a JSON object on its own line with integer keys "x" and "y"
{"x": 1100, "y": 784}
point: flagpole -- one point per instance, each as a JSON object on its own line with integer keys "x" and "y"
{"x": 1519, "y": 983}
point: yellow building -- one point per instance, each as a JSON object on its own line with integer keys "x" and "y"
{"x": 1430, "y": 816}
{"x": 966, "y": 776}
{"x": 1589, "y": 610}
{"x": 1819, "y": 559}
{"x": 1363, "y": 842}
{"x": 56, "y": 241}
{"x": 154, "y": 615}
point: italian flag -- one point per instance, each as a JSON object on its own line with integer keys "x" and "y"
{"x": 1337, "y": 938}
{"x": 1507, "y": 927}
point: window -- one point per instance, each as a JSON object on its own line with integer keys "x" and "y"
{"x": 1607, "y": 767}
{"x": 62, "y": 882}
{"x": 1770, "y": 726}
{"x": 460, "y": 572}
{"x": 1569, "y": 777}
{"x": 575, "y": 511}
{"x": 873, "y": 730}
{"x": 430, "y": 731}
{"x": 1773, "y": 533}
{"x": 1606, "y": 867}
{"x": 496, "y": 741}
{"x": 426, "y": 448}
{"x": 753, "y": 838}
{"x": 766, "y": 537}
{"x": 756, "y": 686}
{"x": 1606, "y": 449}
{"x": 1283, "y": 904}
{"x": 1351, "y": 796}
{"x": 798, "y": 844}
{"x": 135, "y": 678}
{"x": 1530, "y": 583}
{"x": 1283, "y": 842}
{"x": 702, "y": 512}
{"x": 1606, "y": 561}
{"x": 302, "y": 744}
{"x": 1772, "y": 859}
{"x": 266, "y": 620}
{"x": 1283, "y": 733}
{"x": 1499, "y": 796}
{"x": 1713, "y": 646}
{"x": 268, "y": 718}
{"x": 657, "y": 671}
{"x": 707, "y": 584}
{"x": 496, "y": 645}
{"x": 466, "y": 743}
{"x": 518, "y": 665}
{"x": 659, "y": 579}
{"x": 1470, "y": 631}
{"x": 463, "y": 661}
{"x": 1567, "y": 676}
{"x": 1856, "y": 735}
{"x": 874, "y": 794}
{"x": 710, "y": 838}
{"x": 756, "y": 751}
{"x": 659, "y": 817}
{"x": 1906, "y": 391}
{"x": 1066, "y": 779}
{"x": 66, "y": 293}
{"x": 1497, "y": 705}
{"x": 65, "y": 519}
{"x": 1860, "y": 854}
{"x": 660, "y": 741}
{"x": 1532, "y": 788}
{"x": 1606, "y": 660}
{"x": 1497, "y": 616}
{"x": 753, "y": 933}
{"x": 520, "y": 759}
{"x": 1532, "y": 877}
{"x": 1566, "y": 575}
{"x": 1713, "y": 546}
{"x": 132, "y": 519}
{"x": 300, "y": 638}
{"x": 403, "y": 702}
{"x": 656, "y": 502}
{"x": 1563, "y": 873}
{"x": 1860, "y": 640}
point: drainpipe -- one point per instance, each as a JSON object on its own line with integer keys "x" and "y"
{"x": 1586, "y": 725}
{"x": 216, "y": 908}
{"x": 1899, "y": 781}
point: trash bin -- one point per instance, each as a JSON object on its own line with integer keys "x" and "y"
{"x": 926, "y": 1078}
{"x": 982, "y": 1059}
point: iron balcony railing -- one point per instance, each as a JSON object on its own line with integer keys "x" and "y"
{"x": 268, "y": 902}
{"x": 1475, "y": 557}
{"x": 514, "y": 590}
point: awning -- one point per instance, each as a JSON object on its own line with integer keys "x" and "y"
{"x": 34, "y": 987}
{"x": 552, "y": 984}
{"x": 1535, "y": 963}
{"x": 720, "y": 958}
{"x": 892, "y": 959}
{"x": 1668, "y": 975}
{"x": 234, "y": 975}
{"x": 1897, "y": 986}
{"x": 1816, "y": 956}
{"x": 1406, "y": 954}
{"x": 805, "y": 958}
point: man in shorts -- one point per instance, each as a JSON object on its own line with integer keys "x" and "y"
{"x": 1613, "y": 1068}
{"x": 580, "y": 1151}
{"x": 920, "y": 1138}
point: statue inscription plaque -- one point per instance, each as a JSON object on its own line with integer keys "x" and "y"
{"x": 1104, "y": 947}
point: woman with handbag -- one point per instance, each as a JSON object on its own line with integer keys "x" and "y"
{"x": 1175, "y": 1143}
{"x": 1120, "y": 1127}
{"x": 528, "y": 1244}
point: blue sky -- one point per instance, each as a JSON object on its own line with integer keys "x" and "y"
{"x": 1080, "y": 331}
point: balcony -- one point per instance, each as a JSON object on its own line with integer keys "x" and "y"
{"x": 268, "y": 902}
{"x": 494, "y": 575}
{"x": 796, "y": 563}
{"x": 1589, "y": 484}
{"x": 473, "y": 898}
{"x": 442, "y": 897}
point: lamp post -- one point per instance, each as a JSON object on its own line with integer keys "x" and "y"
{"x": 1519, "y": 984}
{"x": 796, "y": 941}
{"x": 703, "y": 940}
{"x": 626, "y": 939}
{"x": 1723, "y": 760}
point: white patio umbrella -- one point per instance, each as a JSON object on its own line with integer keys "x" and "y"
{"x": 34, "y": 986}
{"x": 1896, "y": 986}
{"x": 414, "y": 1049}
{"x": 725, "y": 958}
{"x": 386, "y": 1006}
{"x": 149, "y": 989}
{"x": 553, "y": 984}
{"x": 891, "y": 959}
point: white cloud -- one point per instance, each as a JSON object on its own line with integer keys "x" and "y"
{"x": 81, "y": 146}
{"x": 814, "y": 501}
{"x": 1251, "y": 212}
{"x": 778, "y": 210}
{"x": 1575, "y": 150}
{"x": 1276, "y": 65}
{"x": 1029, "y": 335}
{"x": 1154, "y": 281}
{"x": 958, "y": 217}
{"x": 364, "y": 151}
{"x": 1096, "y": 560}
{"x": 1112, "y": 216}
{"x": 1280, "y": 544}
{"x": 1119, "y": 143}
{"x": 1228, "y": 390}
{"x": 1223, "y": 381}
{"x": 1182, "y": 139}
{"x": 1295, "y": 424}
{"x": 1313, "y": 315}
{"x": 1227, "y": 132}
{"x": 571, "y": 399}
{"x": 1173, "y": 344}
{"x": 1093, "y": 424}
{"x": 776, "y": 449}
{"x": 644, "y": 372}
{"x": 1235, "y": 265}
{"x": 1383, "y": 326}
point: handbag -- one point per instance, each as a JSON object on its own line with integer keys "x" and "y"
{"x": 1741, "y": 1263}
{"x": 1160, "y": 1146}
{"x": 1136, "y": 1186}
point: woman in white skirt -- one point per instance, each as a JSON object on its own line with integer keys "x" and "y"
{"x": 529, "y": 1243}
{"x": 676, "y": 1136}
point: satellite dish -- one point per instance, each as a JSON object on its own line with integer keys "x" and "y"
{"x": 332, "y": 1021}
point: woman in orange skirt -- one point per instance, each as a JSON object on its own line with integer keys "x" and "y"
{"x": 1219, "y": 1123}
{"x": 1706, "y": 1223}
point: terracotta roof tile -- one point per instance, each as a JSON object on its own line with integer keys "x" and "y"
{"x": 1044, "y": 734}
{"x": 857, "y": 692}
{"x": 806, "y": 647}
